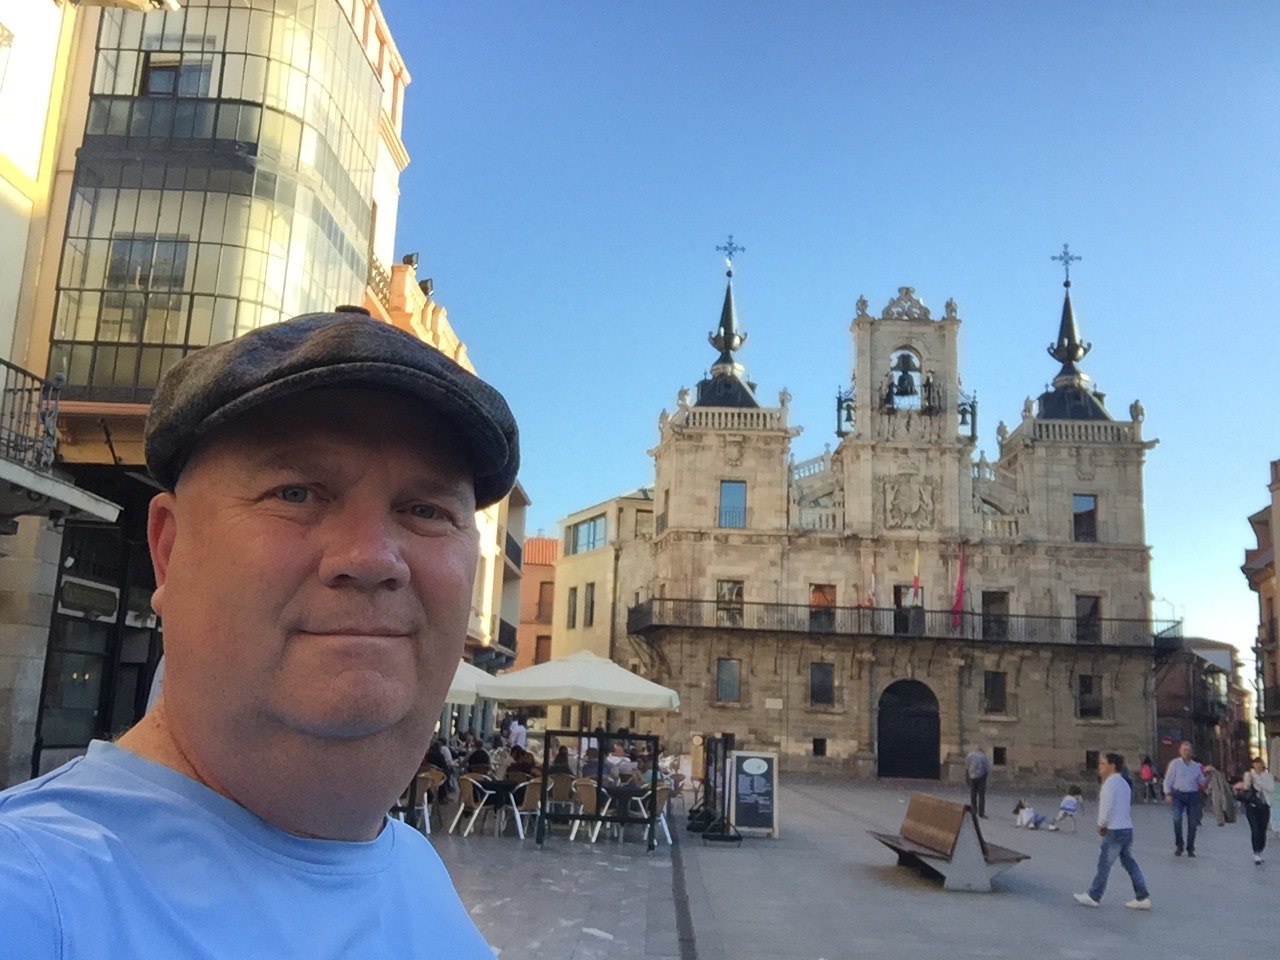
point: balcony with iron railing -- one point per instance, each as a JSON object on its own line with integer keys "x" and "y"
{"x": 380, "y": 281}
{"x": 1269, "y": 703}
{"x": 665, "y": 612}
{"x": 507, "y": 636}
{"x": 28, "y": 417}
{"x": 515, "y": 553}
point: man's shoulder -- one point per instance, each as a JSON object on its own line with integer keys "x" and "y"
{"x": 28, "y": 908}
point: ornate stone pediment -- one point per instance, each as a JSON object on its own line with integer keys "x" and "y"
{"x": 905, "y": 306}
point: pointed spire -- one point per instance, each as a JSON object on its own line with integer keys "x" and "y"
{"x": 1068, "y": 349}
{"x": 726, "y": 338}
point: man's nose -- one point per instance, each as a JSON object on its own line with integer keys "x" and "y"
{"x": 363, "y": 549}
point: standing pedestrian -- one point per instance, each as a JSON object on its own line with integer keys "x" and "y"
{"x": 977, "y": 766}
{"x": 1255, "y": 793}
{"x": 1147, "y": 773}
{"x": 1182, "y": 782}
{"x": 1115, "y": 827}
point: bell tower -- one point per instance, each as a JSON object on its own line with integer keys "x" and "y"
{"x": 907, "y": 426}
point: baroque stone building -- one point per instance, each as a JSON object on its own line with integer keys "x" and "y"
{"x": 887, "y": 606}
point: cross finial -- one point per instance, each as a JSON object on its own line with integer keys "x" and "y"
{"x": 1066, "y": 258}
{"x": 729, "y": 248}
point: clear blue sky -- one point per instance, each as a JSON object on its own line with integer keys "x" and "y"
{"x": 575, "y": 164}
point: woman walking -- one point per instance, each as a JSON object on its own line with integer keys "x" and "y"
{"x": 1255, "y": 794}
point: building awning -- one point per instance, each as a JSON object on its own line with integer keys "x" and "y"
{"x": 28, "y": 492}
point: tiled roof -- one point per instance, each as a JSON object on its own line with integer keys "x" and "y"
{"x": 541, "y": 551}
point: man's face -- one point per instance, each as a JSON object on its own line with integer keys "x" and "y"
{"x": 1105, "y": 767}
{"x": 1184, "y": 751}
{"x": 315, "y": 568}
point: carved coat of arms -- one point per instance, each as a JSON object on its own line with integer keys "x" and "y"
{"x": 908, "y": 503}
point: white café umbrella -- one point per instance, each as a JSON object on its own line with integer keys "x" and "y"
{"x": 579, "y": 678}
{"x": 463, "y": 689}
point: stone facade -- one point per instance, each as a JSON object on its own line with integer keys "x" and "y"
{"x": 890, "y": 604}
{"x": 1260, "y": 570}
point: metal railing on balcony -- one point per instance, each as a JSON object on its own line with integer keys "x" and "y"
{"x": 515, "y": 553}
{"x": 660, "y": 612}
{"x": 380, "y": 282}
{"x": 507, "y": 635}
{"x": 28, "y": 416}
{"x": 1270, "y": 702}
{"x": 731, "y": 518}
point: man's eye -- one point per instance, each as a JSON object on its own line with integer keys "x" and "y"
{"x": 294, "y": 494}
{"x": 425, "y": 511}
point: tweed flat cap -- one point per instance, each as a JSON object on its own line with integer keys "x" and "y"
{"x": 342, "y": 349}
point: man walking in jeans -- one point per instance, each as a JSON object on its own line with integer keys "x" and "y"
{"x": 1182, "y": 782}
{"x": 977, "y": 766}
{"x": 1115, "y": 826}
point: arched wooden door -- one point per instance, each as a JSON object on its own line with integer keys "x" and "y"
{"x": 909, "y": 735}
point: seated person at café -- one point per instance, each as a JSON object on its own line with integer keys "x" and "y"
{"x": 479, "y": 756}
{"x": 560, "y": 764}
{"x": 522, "y": 761}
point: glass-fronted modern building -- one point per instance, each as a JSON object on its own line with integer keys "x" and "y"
{"x": 227, "y": 177}
{"x": 225, "y": 181}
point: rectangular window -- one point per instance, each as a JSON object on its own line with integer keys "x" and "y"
{"x": 1088, "y": 618}
{"x": 1091, "y": 760}
{"x": 1089, "y": 696}
{"x": 571, "y": 611}
{"x": 733, "y": 504}
{"x": 822, "y": 684}
{"x": 541, "y": 649}
{"x": 644, "y": 524}
{"x": 170, "y": 75}
{"x": 546, "y": 597}
{"x": 999, "y": 756}
{"x": 147, "y": 262}
{"x": 584, "y": 536}
{"x": 589, "y": 605}
{"x": 908, "y": 610}
{"x": 729, "y": 603}
{"x": 822, "y": 607}
{"x": 993, "y": 691}
{"x": 728, "y": 680}
{"x": 819, "y": 746}
{"x": 1084, "y": 518}
{"x": 995, "y": 615}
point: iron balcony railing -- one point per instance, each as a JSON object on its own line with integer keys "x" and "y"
{"x": 660, "y": 612}
{"x": 507, "y": 635}
{"x": 380, "y": 282}
{"x": 1270, "y": 702}
{"x": 515, "y": 553}
{"x": 28, "y": 416}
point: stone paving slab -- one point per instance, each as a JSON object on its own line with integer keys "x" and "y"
{"x": 827, "y": 891}
{"x": 571, "y": 901}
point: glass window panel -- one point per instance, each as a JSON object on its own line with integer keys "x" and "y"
{"x": 99, "y": 111}
{"x": 149, "y": 366}
{"x": 728, "y": 680}
{"x": 237, "y": 31}
{"x": 822, "y": 684}
{"x": 224, "y": 320}
{"x": 201, "y": 320}
{"x": 249, "y": 118}
{"x": 229, "y": 271}
{"x": 131, "y": 32}
{"x": 79, "y": 364}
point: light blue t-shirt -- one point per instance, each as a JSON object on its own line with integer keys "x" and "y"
{"x": 113, "y": 856}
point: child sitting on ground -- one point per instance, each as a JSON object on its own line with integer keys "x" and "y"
{"x": 1069, "y": 807}
{"x": 1026, "y": 816}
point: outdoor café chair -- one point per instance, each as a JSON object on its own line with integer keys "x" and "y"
{"x": 515, "y": 776}
{"x": 527, "y": 809}
{"x": 662, "y": 796}
{"x": 474, "y": 799}
{"x": 560, "y": 792}
{"x": 429, "y": 783}
{"x": 588, "y": 792}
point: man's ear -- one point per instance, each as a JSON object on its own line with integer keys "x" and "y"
{"x": 162, "y": 530}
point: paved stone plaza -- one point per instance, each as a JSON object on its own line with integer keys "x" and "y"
{"x": 827, "y": 890}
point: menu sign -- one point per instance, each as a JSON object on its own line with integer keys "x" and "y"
{"x": 753, "y": 791}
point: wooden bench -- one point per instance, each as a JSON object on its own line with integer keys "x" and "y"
{"x": 943, "y": 839}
